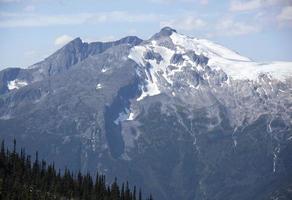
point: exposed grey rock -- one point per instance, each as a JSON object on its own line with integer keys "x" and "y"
{"x": 150, "y": 55}
{"x": 177, "y": 58}
{"x": 204, "y": 136}
{"x": 199, "y": 59}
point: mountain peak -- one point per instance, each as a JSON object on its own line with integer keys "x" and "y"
{"x": 78, "y": 39}
{"x": 75, "y": 42}
{"x": 133, "y": 40}
{"x": 167, "y": 31}
{"x": 164, "y": 32}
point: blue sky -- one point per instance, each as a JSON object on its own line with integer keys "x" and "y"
{"x": 30, "y": 30}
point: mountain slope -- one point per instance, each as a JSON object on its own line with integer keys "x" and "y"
{"x": 171, "y": 113}
{"x": 74, "y": 52}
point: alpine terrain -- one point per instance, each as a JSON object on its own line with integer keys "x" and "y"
{"x": 183, "y": 118}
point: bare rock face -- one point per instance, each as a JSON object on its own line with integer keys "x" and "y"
{"x": 184, "y": 118}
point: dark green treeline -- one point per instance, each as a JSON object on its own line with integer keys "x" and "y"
{"x": 22, "y": 178}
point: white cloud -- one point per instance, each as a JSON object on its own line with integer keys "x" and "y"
{"x": 62, "y": 40}
{"x": 29, "y": 8}
{"x": 10, "y": 20}
{"x": 285, "y": 15}
{"x": 230, "y": 27}
{"x": 237, "y": 5}
{"x": 10, "y": 1}
{"x": 121, "y": 16}
{"x": 203, "y": 2}
{"x": 37, "y": 20}
{"x": 187, "y": 23}
{"x": 248, "y": 5}
{"x": 20, "y": 1}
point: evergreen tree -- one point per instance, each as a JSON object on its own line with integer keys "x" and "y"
{"x": 20, "y": 178}
{"x": 140, "y": 194}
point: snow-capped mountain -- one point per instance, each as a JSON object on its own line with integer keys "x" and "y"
{"x": 200, "y": 72}
{"x": 171, "y": 113}
{"x": 167, "y": 55}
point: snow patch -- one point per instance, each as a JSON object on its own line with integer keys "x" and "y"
{"x": 122, "y": 117}
{"x": 269, "y": 127}
{"x": 275, "y": 157}
{"x": 126, "y": 157}
{"x": 16, "y": 84}
{"x": 125, "y": 115}
{"x": 131, "y": 116}
{"x": 205, "y": 47}
{"x": 150, "y": 88}
{"x": 233, "y": 64}
{"x": 98, "y": 86}
{"x": 66, "y": 139}
{"x": 234, "y": 138}
{"x": 103, "y": 70}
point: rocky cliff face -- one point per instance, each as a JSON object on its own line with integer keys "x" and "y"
{"x": 185, "y": 118}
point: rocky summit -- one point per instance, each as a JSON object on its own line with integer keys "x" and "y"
{"x": 184, "y": 118}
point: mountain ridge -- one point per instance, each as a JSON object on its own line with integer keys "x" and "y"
{"x": 162, "y": 113}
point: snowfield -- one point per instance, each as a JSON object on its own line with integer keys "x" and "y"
{"x": 235, "y": 66}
